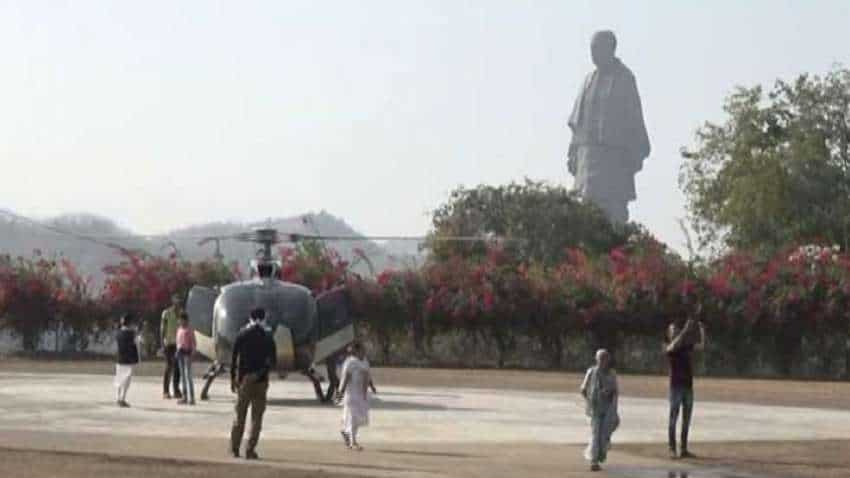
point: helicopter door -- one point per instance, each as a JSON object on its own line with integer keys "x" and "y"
{"x": 336, "y": 325}
{"x": 199, "y": 306}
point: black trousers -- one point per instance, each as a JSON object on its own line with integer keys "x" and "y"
{"x": 172, "y": 371}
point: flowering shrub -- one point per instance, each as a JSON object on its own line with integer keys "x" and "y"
{"x": 751, "y": 305}
{"x": 79, "y": 309}
{"x": 490, "y": 297}
{"x": 311, "y": 264}
{"x": 31, "y": 293}
{"x": 647, "y": 284}
{"x": 145, "y": 285}
{"x": 814, "y": 254}
{"x": 389, "y": 305}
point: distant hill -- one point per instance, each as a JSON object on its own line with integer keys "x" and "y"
{"x": 18, "y": 237}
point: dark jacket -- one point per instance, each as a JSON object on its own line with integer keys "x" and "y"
{"x": 128, "y": 353}
{"x": 254, "y": 352}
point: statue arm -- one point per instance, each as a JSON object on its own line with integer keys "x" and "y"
{"x": 638, "y": 126}
{"x": 575, "y": 115}
{"x": 573, "y": 123}
{"x": 572, "y": 159}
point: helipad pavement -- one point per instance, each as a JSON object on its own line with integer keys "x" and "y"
{"x": 84, "y": 403}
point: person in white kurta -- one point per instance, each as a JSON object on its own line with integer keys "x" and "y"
{"x": 127, "y": 357}
{"x": 600, "y": 391}
{"x": 355, "y": 402}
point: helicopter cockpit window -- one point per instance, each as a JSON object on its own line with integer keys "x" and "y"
{"x": 265, "y": 270}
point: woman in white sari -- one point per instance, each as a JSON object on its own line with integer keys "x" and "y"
{"x": 354, "y": 388}
{"x": 600, "y": 392}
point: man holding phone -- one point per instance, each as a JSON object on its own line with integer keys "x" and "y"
{"x": 679, "y": 344}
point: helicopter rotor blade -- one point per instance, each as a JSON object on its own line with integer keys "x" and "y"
{"x": 404, "y": 238}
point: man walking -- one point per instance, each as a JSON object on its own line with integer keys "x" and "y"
{"x": 254, "y": 356}
{"x": 128, "y": 357}
{"x": 680, "y": 342}
{"x": 168, "y": 332}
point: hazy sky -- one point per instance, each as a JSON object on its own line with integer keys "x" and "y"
{"x": 160, "y": 114}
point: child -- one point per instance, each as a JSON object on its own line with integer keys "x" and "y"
{"x": 600, "y": 392}
{"x": 185, "y": 348}
{"x": 128, "y": 357}
{"x": 354, "y": 388}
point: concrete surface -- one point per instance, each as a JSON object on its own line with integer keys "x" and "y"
{"x": 85, "y": 404}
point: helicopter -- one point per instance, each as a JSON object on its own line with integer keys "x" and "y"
{"x": 308, "y": 331}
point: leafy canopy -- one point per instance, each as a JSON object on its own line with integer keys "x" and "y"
{"x": 540, "y": 221}
{"x": 777, "y": 171}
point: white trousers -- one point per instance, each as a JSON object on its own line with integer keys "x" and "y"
{"x": 123, "y": 375}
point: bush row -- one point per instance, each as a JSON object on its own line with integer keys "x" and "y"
{"x": 785, "y": 315}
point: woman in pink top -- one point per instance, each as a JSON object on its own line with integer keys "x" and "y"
{"x": 185, "y": 349}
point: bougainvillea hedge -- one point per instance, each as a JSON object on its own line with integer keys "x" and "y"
{"x": 782, "y": 304}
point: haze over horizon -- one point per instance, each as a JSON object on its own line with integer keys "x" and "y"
{"x": 160, "y": 116}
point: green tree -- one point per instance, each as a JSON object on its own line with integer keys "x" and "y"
{"x": 777, "y": 170}
{"x": 539, "y": 220}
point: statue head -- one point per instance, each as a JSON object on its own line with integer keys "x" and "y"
{"x": 602, "y": 47}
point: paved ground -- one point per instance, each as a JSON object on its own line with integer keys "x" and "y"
{"x": 820, "y": 458}
{"x": 84, "y": 404}
{"x": 67, "y": 425}
{"x": 767, "y": 392}
{"x": 44, "y": 464}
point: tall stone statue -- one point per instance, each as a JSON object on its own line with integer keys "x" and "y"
{"x": 609, "y": 141}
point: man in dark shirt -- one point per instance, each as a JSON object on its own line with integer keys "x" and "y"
{"x": 128, "y": 357}
{"x": 254, "y": 356}
{"x": 679, "y": 346}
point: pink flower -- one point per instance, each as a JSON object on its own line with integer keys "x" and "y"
{"x": 688, "y": 287}
{"x": 488, "y": 300}
{"x": 385, "y": 277}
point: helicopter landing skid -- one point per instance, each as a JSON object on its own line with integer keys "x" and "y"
{"x": 317, "y": 386}
{"x": 214, "y": 371}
